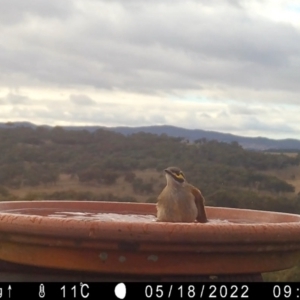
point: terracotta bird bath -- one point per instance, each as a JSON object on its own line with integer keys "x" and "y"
{"x": 122, "y": 240}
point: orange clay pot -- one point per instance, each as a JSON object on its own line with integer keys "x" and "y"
{"x": 124, "y": 238}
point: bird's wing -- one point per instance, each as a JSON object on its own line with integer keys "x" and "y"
{"x": 161, "y": 195}
{"x": 200, "y": 201}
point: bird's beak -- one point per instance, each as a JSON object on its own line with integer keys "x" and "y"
{"x": 179, "y": 178}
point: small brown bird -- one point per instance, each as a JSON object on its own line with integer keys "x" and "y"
{"x": 180, "y": 201}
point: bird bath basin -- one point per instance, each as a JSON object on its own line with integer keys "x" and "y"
{"x": 123, "y": 238}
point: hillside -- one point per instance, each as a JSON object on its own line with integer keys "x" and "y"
{"x": 37, "y": 163}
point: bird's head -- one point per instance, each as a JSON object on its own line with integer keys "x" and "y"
{"x": 174, "y": 175}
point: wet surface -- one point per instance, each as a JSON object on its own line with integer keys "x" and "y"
{"x": 109, "y": 217}
{"x": 89, "y": 215}
{"x": 104, "y": 217}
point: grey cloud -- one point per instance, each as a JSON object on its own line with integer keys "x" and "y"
{"x": 272, "y": 124}
{"x": 257, "y": 124}
{"x": 83, "y": 116}
{"x": 167, "y": 48}
{"x": 160, "y": 49}
{"x": 14, "y": 99}
{"x": 16, "y": 11}
{"x": 82, "y": 100}
{"x": 246, "y": 110}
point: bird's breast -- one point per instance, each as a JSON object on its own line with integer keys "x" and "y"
{"x": 177, "y": 206}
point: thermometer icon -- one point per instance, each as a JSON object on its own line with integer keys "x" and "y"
{"x": 42, "y": 291}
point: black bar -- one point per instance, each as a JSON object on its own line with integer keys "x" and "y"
{"x": 149, "y": 290}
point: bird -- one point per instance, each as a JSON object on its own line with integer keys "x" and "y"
{"x": 180, "y": 201}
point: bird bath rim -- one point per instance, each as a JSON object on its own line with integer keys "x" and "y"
{"x": 278, "y": 227}
{"x": 147, "y": 247}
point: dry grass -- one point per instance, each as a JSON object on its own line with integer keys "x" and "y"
{"x": 290, "y": 154}
{"x": 291, "y": 175}
{"x": 120, "y": 189}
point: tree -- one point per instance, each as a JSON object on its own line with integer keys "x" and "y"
{"x": 129, "y": 176}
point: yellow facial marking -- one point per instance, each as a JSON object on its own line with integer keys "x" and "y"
{"x": 180, "y": 176}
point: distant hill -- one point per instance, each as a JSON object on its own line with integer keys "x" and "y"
{"x": 254, "y": 143}
{"x": 257, "y": 143}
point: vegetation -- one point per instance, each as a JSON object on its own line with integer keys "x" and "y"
{"x": 31, "y": 157}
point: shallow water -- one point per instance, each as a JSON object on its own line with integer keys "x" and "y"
{"x": 109, "y": 217}
{"x": 104, "y": 217}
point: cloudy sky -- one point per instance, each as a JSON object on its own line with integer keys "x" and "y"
{"x": 230, "y": 66}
